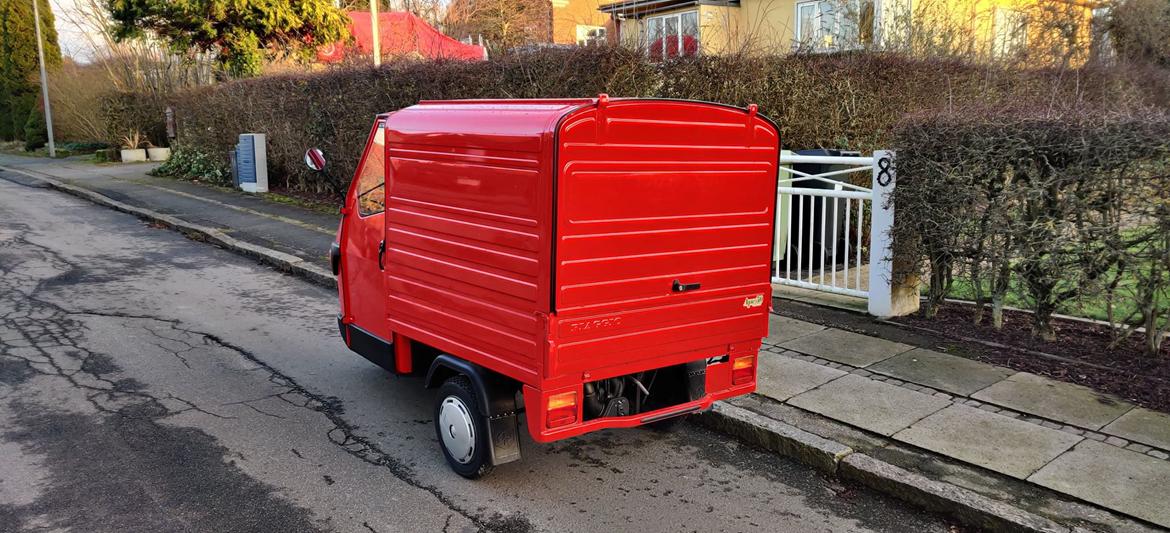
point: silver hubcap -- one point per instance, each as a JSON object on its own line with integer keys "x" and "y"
{"x": 457, "y": 429}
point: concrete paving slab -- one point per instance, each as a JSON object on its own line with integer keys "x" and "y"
{"x": 1057, "y": 400}
{"x": 868, "y": 404}
{"x": 1125, "y": 481}
{"x": 782, "y": 328}
{"x": 948, "y": 373}
{"x": 1144, "y": 426}
{"x": 781, "y": 378}
{"x": 847, "y": 347}
{"x": 822, "y": 298}
{"x": 992, "y": 441}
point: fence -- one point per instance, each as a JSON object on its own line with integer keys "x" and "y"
{"x": 839, "y": 241}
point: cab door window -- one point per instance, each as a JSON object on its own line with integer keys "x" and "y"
{"x": 371, "y": 185}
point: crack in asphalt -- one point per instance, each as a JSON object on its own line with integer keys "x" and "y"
{"x": 263, "y": 412}
{"x": 179, "y": 354}
{"x": 49, "y": 338}
{"x": 46, "y": 325}
{"x": 113, "y": 471}
{"x": 343, "y": 434}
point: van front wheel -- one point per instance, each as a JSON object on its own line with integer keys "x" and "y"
{"x": 461, "y": 429}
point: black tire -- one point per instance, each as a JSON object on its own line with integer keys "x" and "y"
{"x": 667, "y": 424}
{"x": 476, "y": 463}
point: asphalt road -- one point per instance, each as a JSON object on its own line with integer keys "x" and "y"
{"x": 152, "y": 383}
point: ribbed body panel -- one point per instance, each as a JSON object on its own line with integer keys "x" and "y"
{"x": 467, "y": 229}
{"x": 649, "y": 199}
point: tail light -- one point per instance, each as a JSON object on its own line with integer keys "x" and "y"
{"x": 562, "y": 409}
{"x": 743, "y": 369}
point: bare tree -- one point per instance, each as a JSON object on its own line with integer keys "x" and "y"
{"x": 1140, "y": 30}
{"x": 505, "y": 24}
{"x": 139, "y": 65}
{"x": 83, "y": 93}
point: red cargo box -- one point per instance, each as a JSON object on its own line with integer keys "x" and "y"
{"x": 607, "y": 258}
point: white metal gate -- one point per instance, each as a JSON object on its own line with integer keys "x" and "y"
{"x": 832, "y": 235}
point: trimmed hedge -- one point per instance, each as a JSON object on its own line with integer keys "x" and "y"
{"x": 126, "y": 113}
{"x": 830, "y": 101}
{"x": 1066, "y": 209}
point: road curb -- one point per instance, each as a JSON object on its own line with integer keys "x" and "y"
{"x": 776, "y": 436}
{"x": 281, "y": 261}
{"x": 834, "y": 458}
{"x": 967, "y": 506}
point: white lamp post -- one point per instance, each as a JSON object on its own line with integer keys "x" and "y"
{"x": 44, "y": 81}
{"x": 377, "y": 38}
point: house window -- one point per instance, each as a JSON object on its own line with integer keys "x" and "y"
{"x": 834, "y": 24}
{"x": 1101, "y": 46}
{"x": 590, "y": 35}
{"x": 1011, "y": 33}
{"x": 814, "y": 23}
{"x": 673, "y": 35}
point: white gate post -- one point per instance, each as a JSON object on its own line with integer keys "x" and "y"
{"x": 783, "y": 204}
{"x": 881, "y": 270}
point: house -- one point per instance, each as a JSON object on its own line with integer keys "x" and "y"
{"x": 580, "y": 22}
{"x": 402, "y": 34}
{"x": 1034, "y": 30}
{"x": 515, "y": 23}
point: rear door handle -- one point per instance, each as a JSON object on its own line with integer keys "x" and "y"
{"x": 335, "y": 258}
{"x": 381, "y": 254}
{"x": 679, "y": 286}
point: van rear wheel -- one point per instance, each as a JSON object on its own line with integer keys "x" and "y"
{"x": 461, "y": 429}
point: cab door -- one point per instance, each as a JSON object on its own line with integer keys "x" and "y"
{"x": 360, "y": 280}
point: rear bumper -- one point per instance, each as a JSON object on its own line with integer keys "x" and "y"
{"x": 533, "y": 398}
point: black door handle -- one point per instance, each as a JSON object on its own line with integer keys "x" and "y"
{"x": 679, "y": 286}
{"x": 335, "y": 258}
{"x": 381, "y": 254}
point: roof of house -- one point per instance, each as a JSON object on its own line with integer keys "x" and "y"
{"x": 646, "y": 7}
{"x": 401, "y": 33}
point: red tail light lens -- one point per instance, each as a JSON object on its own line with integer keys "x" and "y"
{"x": 561, "y": 410}
{"x": 743, "y": 369}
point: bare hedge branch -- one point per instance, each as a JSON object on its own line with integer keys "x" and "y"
{"x": 1069, "y": 206}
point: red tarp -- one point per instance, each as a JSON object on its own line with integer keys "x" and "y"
{"x": 402, "y": 34}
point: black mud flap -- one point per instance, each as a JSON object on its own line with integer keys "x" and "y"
{"x": 502, "y": 423}
{"x": 505, "y": 439}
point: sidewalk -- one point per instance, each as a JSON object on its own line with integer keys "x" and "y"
{"x": 290, "y": 229}
{"x": 1011, "y": 449}
{"x": 1056, "y": 435}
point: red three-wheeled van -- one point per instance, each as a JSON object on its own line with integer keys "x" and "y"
{"x": 577, "y": 264}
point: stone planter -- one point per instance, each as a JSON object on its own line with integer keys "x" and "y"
{"x": 135, "y": 155}
{"x": 158, "y": 153}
